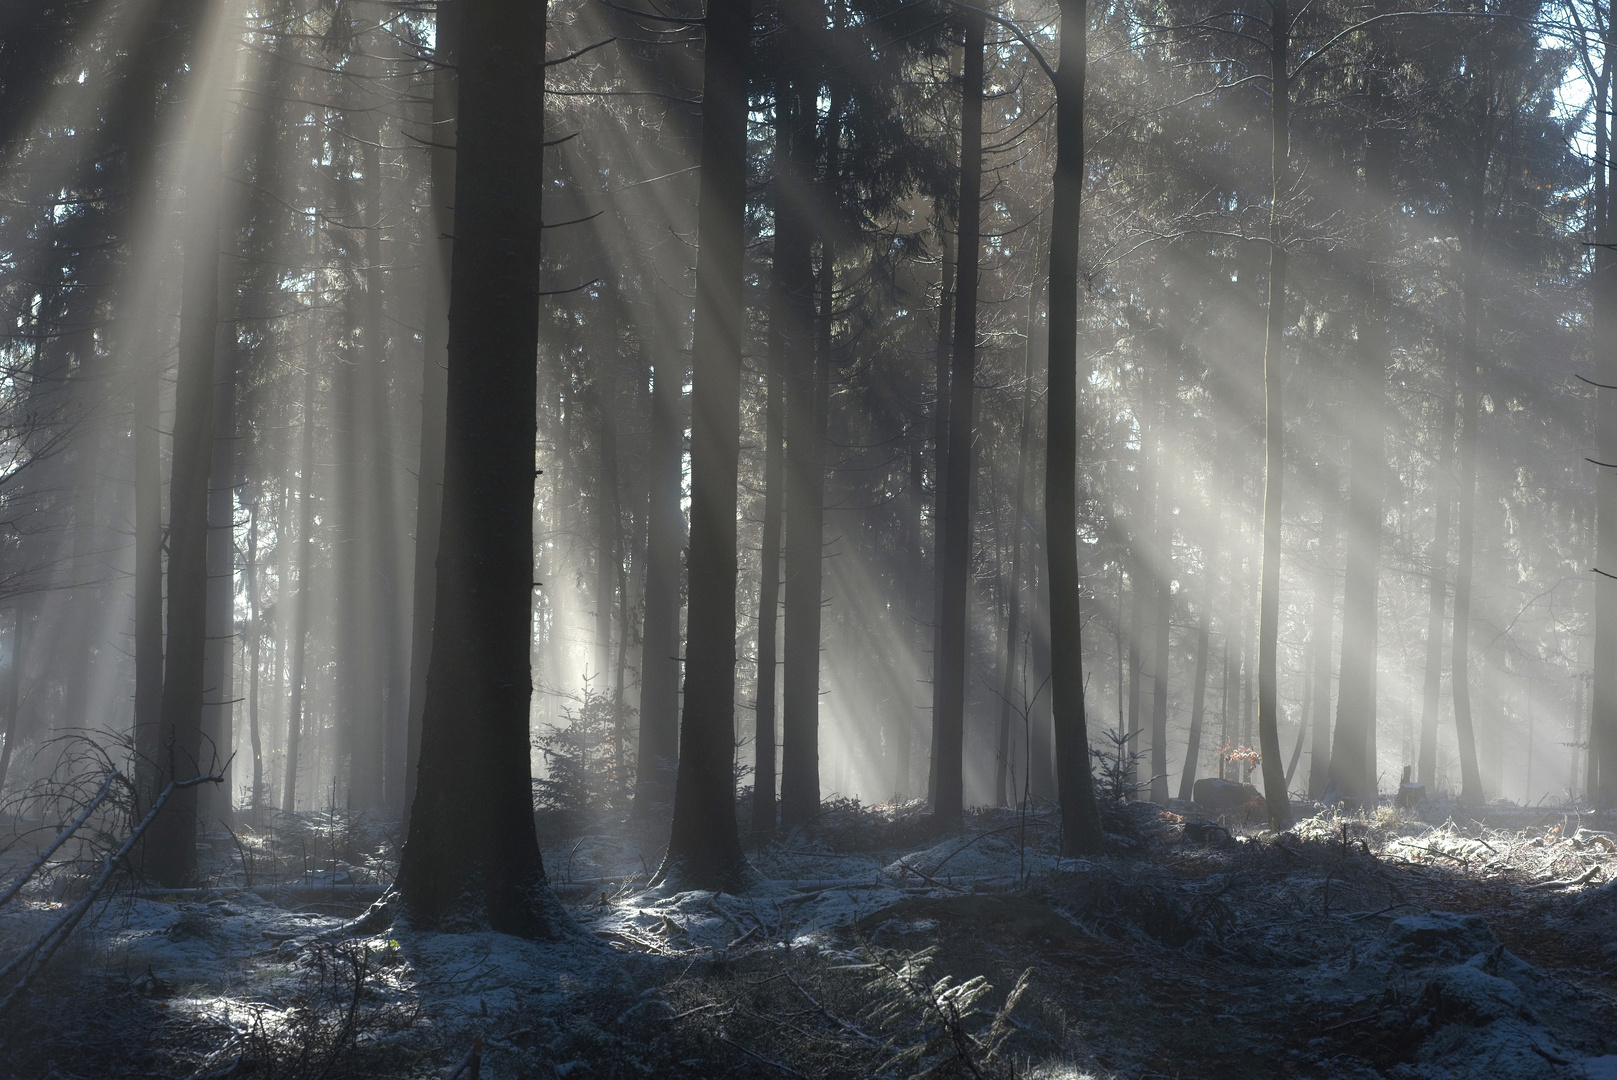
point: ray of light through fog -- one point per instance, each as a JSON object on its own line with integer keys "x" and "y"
{"x": 330, "y": 262}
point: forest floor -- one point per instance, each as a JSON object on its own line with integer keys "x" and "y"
{"x": 1414, "y": 944}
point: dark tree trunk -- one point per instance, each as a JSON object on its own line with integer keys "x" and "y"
{"x": 764, "y": 741}
{"x": 1136, "y": 666}
{"x": 1161, "y": 652}
{"x": 1013, "y": 620}
{"x": 1324, "y": 608}
{"x": 1601, "y": 761}
{"x": 1437, "y": 561}
{"x": 1274, "y": 776}
{"x": 1080, "y": 814}
{"x": 704, "y": 845}
{"x": 170, "y": 845}
{"x": 22, "y": 633}
{"x": 794, "y": 273}
{"x": 1198, "y": 701}
{"x": 1352, "y": 774}
{"x": 219, "y": 667}
{"x": 658, "y": 750}
{"x": 472, "y": 857}
{"x": 1471, "y": 792}
{"x": 255, "y": 629}
{"x": 434, "y": 380}
{"x": 949, "y": 691}
{"x": 299, "y": 637}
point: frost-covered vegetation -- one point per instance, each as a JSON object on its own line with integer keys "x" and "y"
{"x": 1428, "y": 943}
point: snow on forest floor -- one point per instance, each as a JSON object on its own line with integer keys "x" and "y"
{"x": 1404, "y": 945}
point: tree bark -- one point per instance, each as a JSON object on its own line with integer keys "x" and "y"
{"x": 1080, "y": 814}
{"x": 299, "y": 639}
{"x": 1198, "y": 701}
{"x": 1013, "y": 619}
{"x": 1323, "y": 618}
{"x": 1161, "y": 658}
{"x": 472, "y": 857}
{"x": 1471, "y": 792}
{"x": 800, "y": 669}
{"x": 1352, "y": 774}
{"x": 763, "y": 769}
{"x": 1274, "y": 433}
{"x": 434, "y": 375}
{"x": 949, "y": 691}
{"x": 1437, "y": 560}
{"x": 1601, "y": 761}
{"x": 704, "y": 845}
{"x": 658, "y": 749}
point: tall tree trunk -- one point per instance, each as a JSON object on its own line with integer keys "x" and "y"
{"x": 1601, "y": 760}
{"x": 658, "y": 748}
{"x": 472, "y": 856}
{"x": 148, "y": 728}
{"x": 1437, "y": 560}
{"x": 1352, "y": 774}
{"x": 1274, "y": 433}
{"x": 773, "y": 482}
{"x": 1198, "y": 701}
{"x": 170, "y": 846}
{"x": 255, "y": 629}
{"x": 1324, "y": 607}
{"x": 800, "y": 669}
{"x": 1080, "y": 814}
{"x": 1161, "y": 658}
{"x": 704, "y": 845}
{"x": 949, "y": 694}
{"x": 1471, "y": 791}
{"x": 23, "y": 614}
{"x": 298, "y": 643}
{"x": 219, "y": 656}
{"x": 434, "y": 375}
{"x": 1136, "y": 664}
{"x": 1013, "y": 620}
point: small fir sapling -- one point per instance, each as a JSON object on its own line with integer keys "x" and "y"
{"x": 587, "y": 770}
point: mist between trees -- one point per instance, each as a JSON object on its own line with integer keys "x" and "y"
{"x": 431, "y": 408}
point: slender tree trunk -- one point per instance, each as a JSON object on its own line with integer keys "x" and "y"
{"x": 298, "y": 643}
{"x": 1198, "y": 701}
{"x": 1161, "y": 659}
{"x": 1438, "y": 592}
{"x": 1352, "y": 773}
{"x": 1013, "y": 621}
{"x": 255, "y": 629}
{"x": 1471, "y": 791}
{"x": 219, "y": 655}
{"x": 1080, "y": 815}
{"x": 1274, "y": 380}
{"x": 763, "y": 774}
{"x": 800, "y": 670}
{"x": 949, "y": 693}
{"x": 1601, "y": 761}
{"x": 170, "y": 845}
{"x": 665, "y": 537}
{"x": 1320, "y": 635}
{"x": 434, "y": 376}
{"x": 1136, "y": 664}
{"x": 22, "y": 632}
{"x": 148, "y": 738}
{"x": 704, "y": 845}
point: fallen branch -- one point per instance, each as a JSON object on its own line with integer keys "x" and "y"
{"x": 47, "y": 944}
{"x": 62, "y": 837}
